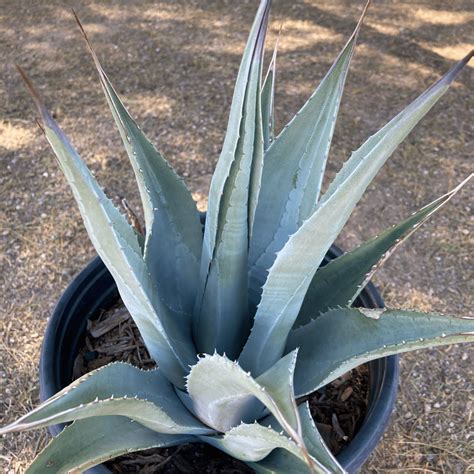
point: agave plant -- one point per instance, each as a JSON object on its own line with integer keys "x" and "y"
{"x": 240, "y": 319}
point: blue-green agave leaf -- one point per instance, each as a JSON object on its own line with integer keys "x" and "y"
{"x": 293, "y": 270}
{"x": 223, "y": 395}
{"x": 278, "y": 382}
{"x": 315, "y": 442}
{"x": 167, "y": 339}
{"x": 268, "y": 100}
{"x": 232, "y": 138}
{"x": 173, "y": 229}
{"x": 281, "y": 461}
{"x": 221, "y": 313}
{"x": 343, "y": 338}
{"x": 253, "y": 442}
{"x": 116, "y": 389}
{"x": 340, "y": 281}
{"x": 92, "y": 441}
{"x": 294, "y": 165}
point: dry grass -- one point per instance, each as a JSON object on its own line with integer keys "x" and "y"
{"x": 175, "y": 63}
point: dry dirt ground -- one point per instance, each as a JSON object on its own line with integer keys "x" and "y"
{"x": 175, "y": 61}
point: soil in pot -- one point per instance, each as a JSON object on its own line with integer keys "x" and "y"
{"x": 338, "y": 409}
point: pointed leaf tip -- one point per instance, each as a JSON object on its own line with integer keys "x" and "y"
{"x": 78, "y": 21}
{"x": 89, "y": 44}
{"x": 454, "y": 72}
{"x": 268, "y": 98}
{"x": 272, "y": 65}
{"x": 39, "y": 125}
{"x": 462, "y": 183}
{"x": 36, "y": 98}
{"x": 27, "y": 81}
{"x": 361, "y": 20}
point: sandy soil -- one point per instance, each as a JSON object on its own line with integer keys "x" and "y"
{"x": 175, "y": 64}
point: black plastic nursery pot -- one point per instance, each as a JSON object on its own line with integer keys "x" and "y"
{"x": 94, "y": 291}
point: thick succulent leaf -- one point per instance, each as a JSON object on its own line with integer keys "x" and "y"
{"x": 223, "y": 395}
{"x": 232, "y": 138}
{"x": 282, "y": 461}
{"x": 221, "y": 313}
{"x": 340, "y": 281}
{"x": 173, "y": 229}
{"x": 315, "y": 443}
{"x": 167, "y": 339}
{"x": 294, "y": 165}
{"x": 293, "y": 270}
{"x": 116, "y": 389}
{"x": 253, "y": 442}
{"x": 341, "y": 339}
{"x": 278, "y": 382}
{"x": 87, "y": 443}
{"x": 268, "y": 100}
